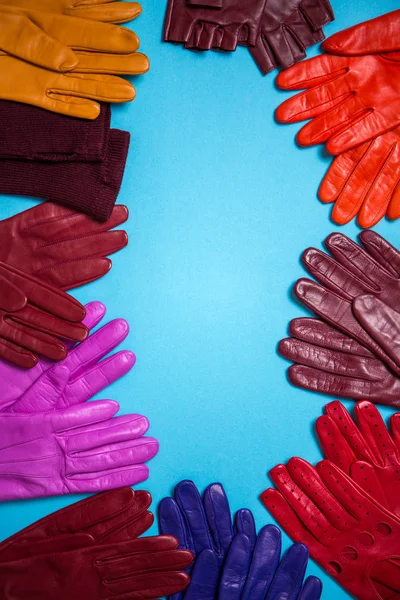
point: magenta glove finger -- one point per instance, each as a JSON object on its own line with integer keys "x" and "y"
{"x": 17, "y": 381}
{"x": 77, "y": 449}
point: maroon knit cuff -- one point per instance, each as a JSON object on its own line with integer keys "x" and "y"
{"x": 32, "y": 133}
{"x": 89, "y": 187}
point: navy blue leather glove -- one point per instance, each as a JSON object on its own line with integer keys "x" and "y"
{"x": 203, "y": 525}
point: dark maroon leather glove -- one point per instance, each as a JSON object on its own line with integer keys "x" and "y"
{"x": 349, "y": 273}
{"x": 32, "y": 133}
{"x": 288, "y": 28}
{"x": 61, "y": 246}
{"x": 205, "y": 24}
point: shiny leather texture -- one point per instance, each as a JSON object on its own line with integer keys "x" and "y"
{"x": 33, "y": 315}
{"x": 375, "y": 36}
{"x": 115, "y": 516}
{"x": 288, "y": 28}
{"x": 61, "y": 246}
{"x": 348, "y": 533}
{"x": 349, "y": 273}
{"x": 202, "y": 28}
{"x": 330, "y": 362}
{"x": 364, "y": 449}
{"x": 203, "y": 523}
{"x": 135, "y": 569}
{"x": 63, "y": 43}
{"x": 79, "y": 449}
{"x": 85, "y": 372}
{"x": 364, "y": 182}
{"x": 107, "y": 11}
{"x": 349, "y": 99}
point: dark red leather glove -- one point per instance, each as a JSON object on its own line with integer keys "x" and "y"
{"x": 33, "y": 315}
{"x": 365, "y": 451}
{"x": 115, "y": 516}
{"x": 60, "y": 246}
{"x": 330, "y": 362}
{"x": 347, "y": 532}
{"x": 203, "y": 25}
{"x": 350, "y": 273}
{"x": 132, "y": 570}
{"x": 288, "y": 28}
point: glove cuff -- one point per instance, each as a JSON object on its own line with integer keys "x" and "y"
{"x": 32, "y": 133}
{"x": 87, "y": 187}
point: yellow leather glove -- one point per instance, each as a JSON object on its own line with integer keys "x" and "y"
{"x": 107, "y": 11}
{"x": 67, "y": 43}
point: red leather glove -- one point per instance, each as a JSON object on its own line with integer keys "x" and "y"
{"x": 115, "y": 516}
{"x": 221, "y": 24}
{"x": 60, "y": 246}
{"x": 347, "y": 532}
{"x": 33, "y": 315}
{"x": 349, "y": 273}
{"x": 365, "y": 182}
{"x": 131, "y": 570}
{"x": 366, "y": 452}
{"x": 288, "y": 28}
{"x": 350, "y": 99}
{"x": 330, "y": 362}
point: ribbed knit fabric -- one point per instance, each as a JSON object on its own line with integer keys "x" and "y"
{"x": 90, "y": 187}
{"x": 32, "y": 133}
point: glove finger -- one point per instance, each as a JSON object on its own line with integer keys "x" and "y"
{"x": 336, "y": 445}
{"x": 366, "y": 477}
{"x": 300, "y": 501}
{"x": 44, "y": 393}
{"x": 204, "y": 35}
{"x": 88, "y": 247}
{"x": 218, "y": 513}
{"x": 109, "y": 479}
{"x": 289, "y": 577}
{"x": 83, "y": 416}
{"x": 330, "y": 361}
{"x": 16, "y": 355}
{"x": 194, "y": 35}
{"x": 204, "y": 577}
{"x": 230, "y": 38}
{"x": 287, "y": 518}
{"x": 99, "y": 377}
{"x": 112, "y": 64}
{"x": 56, "y": 225}
{"x": 112, "y": 456}
{"x": 384, "y": 253}
{"x": 171, "y": 521}
{"x": 284, "y": 47}
{"x": 73, "y": 275}
{"x": 190, "y": 503}
{"x": 245, "y": 523}
{"x": 104, "y": 88}
{"x": 236, "y": 567}
{"x": 312, "y": 589}
{"x": 394, "y": 206}
{"x": 307, "y": 479}
{"x": 330, "y": 273}
{"x": 312, "y": 72}
{"x": 27, "y": 338}
{"x": 39, "y": 321}
{"x": 358, "y": 261}
{"x": 38, "y": 48}
{"x": 264, "y": 563}
{"x": 107, "y": 12}
{"x": 361, "y": 125}
{"x": 335, "y": 385}
{"x": 318, "y": 333}
{"x": 340, "y": 177}
{"x": 114, "y": 430}
{"x": 376, "y": 434}
{"x": 263, "y": 55}
{"x": 318, "y": 14}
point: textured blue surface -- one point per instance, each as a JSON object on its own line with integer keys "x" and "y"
{"x": 222, "y": 203}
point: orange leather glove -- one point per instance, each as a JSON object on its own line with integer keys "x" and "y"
{"x": 365, "y": 182}
{"x": 107, "y": 11}
{"x": 68, "y": 43}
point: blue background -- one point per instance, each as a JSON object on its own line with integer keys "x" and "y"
{"x": 222, "y": 203}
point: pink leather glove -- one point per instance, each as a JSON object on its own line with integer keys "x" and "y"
{"x": 77, "y": 378}
{"x": 80, "y": 449}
